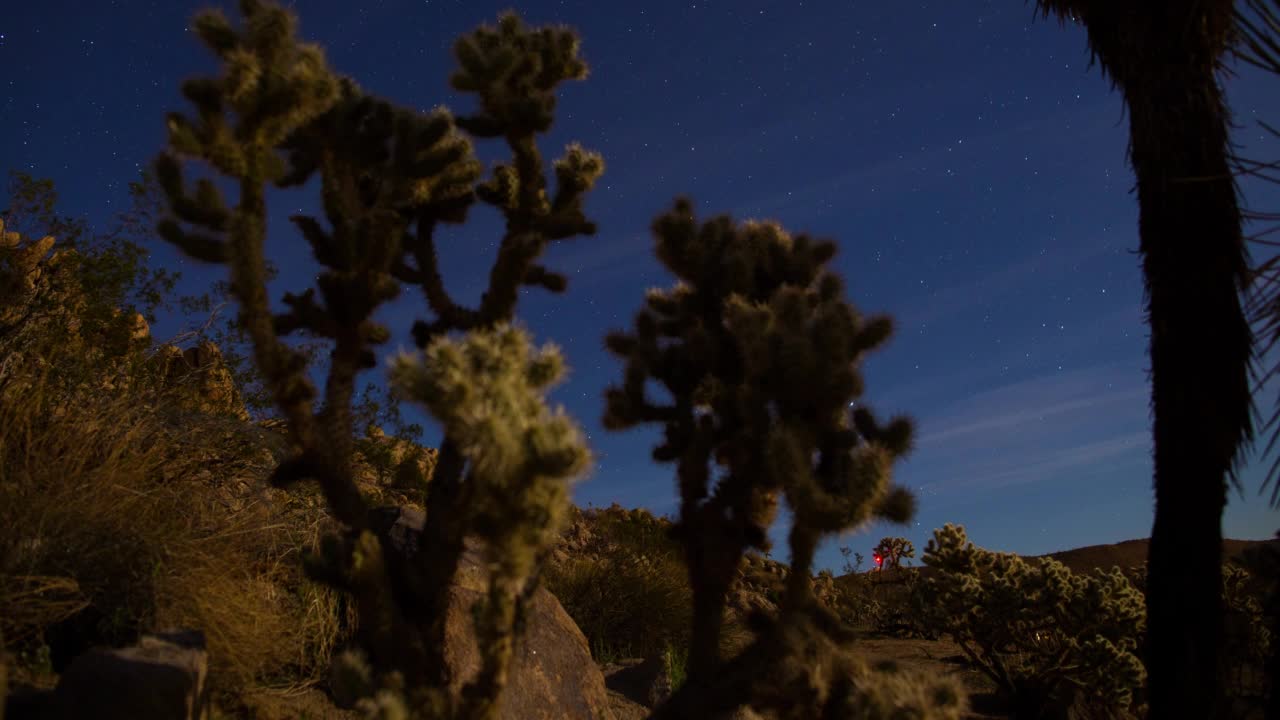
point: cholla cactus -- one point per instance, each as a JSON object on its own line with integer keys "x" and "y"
{"x": 388, "y": 177}
{"x": 759, "y": 351}
{"x": 1045, "y": 635}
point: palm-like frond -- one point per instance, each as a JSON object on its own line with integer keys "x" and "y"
{"x": 1257, "y": 43}
{"x": 1147, "y": 48}
{"x": 1121, "y": 39}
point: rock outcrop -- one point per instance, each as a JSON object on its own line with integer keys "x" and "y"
{"x": 395, "y": 463}
{"x": 198, "y": 379}
{"x": 552, "y": 674}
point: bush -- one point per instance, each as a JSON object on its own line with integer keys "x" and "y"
{"x": 111, "y": 526}
{"x": 627, "y": 605}
{"x": 1251, "y": 596}
{"x": 1046, "y": 636}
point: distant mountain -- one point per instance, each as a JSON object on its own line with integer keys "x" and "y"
{"x": 1126, "y": 554}
{"x": 1133, "y": 552}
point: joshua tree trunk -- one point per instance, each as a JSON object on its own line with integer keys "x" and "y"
{"x": 1193, "y": 262}
{"x": 1193, "y": 258}
{"x": 1164, "y": 56}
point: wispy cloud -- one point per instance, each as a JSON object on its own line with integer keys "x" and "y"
{"x": 1032, "y": 430}
{"x": 1052, "y": 398}
{"x": 1042, "y": 464}
{"x": 983, "y": 290}
{"x": 901, "y": 395}
{"x": 1019, "y": 417}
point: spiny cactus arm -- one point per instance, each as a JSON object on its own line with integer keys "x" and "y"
{"x": 369, "y": 194}
{"x": 486, "y": 390}
{"x": 576, "y": 172}
{"x": 519, "y": 192}
{"x": 758, "y": 349}
{"x": 449, "y": 314}
{"x": 271, "y": 87}
{"x": 514, "y": 71}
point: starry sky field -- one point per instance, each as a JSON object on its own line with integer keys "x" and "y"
{"x": 967, "y": 159}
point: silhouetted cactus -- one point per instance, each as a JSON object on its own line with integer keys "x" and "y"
{"x": 1048, "y": 637}
{"x": 277, "y": 115}
{"x": 759, "y": 352}
{"x": 890, "y": 551}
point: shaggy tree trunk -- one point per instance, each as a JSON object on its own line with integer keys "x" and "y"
{"x": 1164, "y": 56}
{"x": 1193, "y": 261}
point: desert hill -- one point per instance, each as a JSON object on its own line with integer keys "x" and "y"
{"x": 1130, "y": 553}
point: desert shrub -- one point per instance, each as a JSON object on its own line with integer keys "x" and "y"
{"x": 879, "y": 602}
{"x": 627, "y": 605}
{"x": 110, "y": 526}
{"x": 625, "y": 584}
{"x": 1046, "y": 636}
{"x": 857, "y": 605}
{"x": 885, "y": 690}
{"x": 1251, "y": 598}
{"x": 636, "y": 531}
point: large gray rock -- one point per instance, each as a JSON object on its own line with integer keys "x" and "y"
{"x": 552, "y": 674}
{"x": 163, "y": 677}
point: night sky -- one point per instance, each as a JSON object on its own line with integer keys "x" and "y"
{"x": 964, "y": 155}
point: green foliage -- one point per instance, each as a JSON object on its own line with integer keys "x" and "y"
{"x": 675, "y": 662}
{"x": 1048, "y": 637}
{"x": 76, "y": 308}
{"x": 110, "y": 267}
{"x": 389, "y": 176}
{"x": 759, "y": 352}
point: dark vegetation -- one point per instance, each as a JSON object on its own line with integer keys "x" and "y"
{"x": 133, "y": 487}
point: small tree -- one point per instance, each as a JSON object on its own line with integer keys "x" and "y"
{"x": 890, "y": 552}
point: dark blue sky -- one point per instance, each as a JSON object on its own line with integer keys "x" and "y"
{"x": 967, "y": 160}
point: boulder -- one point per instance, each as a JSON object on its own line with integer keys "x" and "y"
{"x": 201, "y": 380}
{"x": 643, "y": 681}
{"x": 552, "y": 673}
{"x": 383, "y": 461}
{"x": 163, "y": 677}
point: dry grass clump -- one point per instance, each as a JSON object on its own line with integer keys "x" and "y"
{"x": 118, "y": 517}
